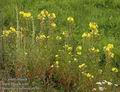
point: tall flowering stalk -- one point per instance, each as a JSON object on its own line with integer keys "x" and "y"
{"x": 71, "y": 24}
{"x": 17, "y": 31}
{"x": 27, "y": 16}
{"x": 43, "y": 21}
{"x": 33, "y": 31}
{"x": 109, "y": 55}
{"x": 108, "y": 52}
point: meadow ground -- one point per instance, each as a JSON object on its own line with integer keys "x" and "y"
{"x": 60, "y": 45}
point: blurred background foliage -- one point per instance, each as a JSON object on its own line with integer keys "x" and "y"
{"x": 104, "y": 12}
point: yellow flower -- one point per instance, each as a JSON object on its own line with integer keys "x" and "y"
{"x": 69, "y": 48}
{"x": 109, "y": 47}
{"x": 82, "y": 66}
{"x": 57, "y": 62}
{"x": 56, "y": 56}
{"x": 42, "y": 37}
{"x": 114, "y": 69}
{"x": 112, "y": 55}
{"x": 93, "y": 26}
{"x": 44, "y": 13}
{"x": 27, "y": 15}
{"x": 53, "y": 25}
{"x": 21, "y": 12}
{"x": 79, "y": 48}
{"x": 6, "y": 33}
{"x": 79, "y": 53}
{"x": 88, "y": 75}
{"x": 97, "y": 50}
{"x": 94, "y": 32}
{"x": 12, "y": 29}
{"x": 52, "y": 16}
{"x": 108, "y": 50}
{"x": 58, "y": 38}
{"x": 65, "y": 34}
{"x": 41, "y": 17}
{"x": 75, "y": 59}
{"x": 94, "y": 50}
{"x": 86, "y": 35}
{"x": 70, "y": 19}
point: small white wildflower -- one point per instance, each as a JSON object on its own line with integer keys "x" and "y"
{"x": 109, "y": 83}
{"x": 94, "y": 89}
{"x": 116, "y": 85}
{"x": 99, "y": 83}
{"x": 105, "y": 81}
{"x": 75, "y": 59}
{"x": 102, "y": 88}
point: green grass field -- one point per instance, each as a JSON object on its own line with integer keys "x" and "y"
{"x": 60, "y": 45}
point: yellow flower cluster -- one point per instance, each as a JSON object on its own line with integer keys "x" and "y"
{"x": 108, "y": 50}
{"x": 65, "y": 34}
{"x": 93, "y": 26}
{"x": 25, "y": 14}
{"x": 58, "y": 37}
{"x": 7, "y": 32}
{"x": 81, "y": 66}
{"x": 41, "y": 37}
{"x": 68, "y": 48}
{"x": 95, "y": 50}
{"x": 88, "y": 75}
{"x": 78, "y": 50}
{"x": 51, "y": 16}
{"x": 86, "y": 35}
{"x": 94, "y": 31}
{"x": 45, "y": 14}
{"x": 53, "y": 25}
{"x": 114, "y": 69}
{"x": 70, "y": 19}
{"x": 109, "y": 47}
{"x": 57, "y": 64}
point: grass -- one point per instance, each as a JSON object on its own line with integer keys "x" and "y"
{"x": 57, "y": 58}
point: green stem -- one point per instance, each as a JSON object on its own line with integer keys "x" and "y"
{"x": 33, "y": 31}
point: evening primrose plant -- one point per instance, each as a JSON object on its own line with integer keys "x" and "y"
{"x": 53, "y": 58}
